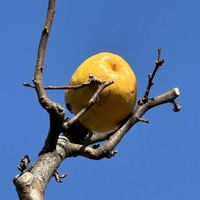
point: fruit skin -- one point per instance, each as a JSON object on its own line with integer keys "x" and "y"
{"x": 116, "y": 101}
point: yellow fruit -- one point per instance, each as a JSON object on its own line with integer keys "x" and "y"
{"x": 116, "y": 101}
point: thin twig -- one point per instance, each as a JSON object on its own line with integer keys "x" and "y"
{"x": 64, "y": 87}
{"x": 90, "y": 103}
{"x": 151, "y": 76}
{"x": 59, "y": 177}
{"x": 143, "y": 120}
{"x": 92, "y": 80}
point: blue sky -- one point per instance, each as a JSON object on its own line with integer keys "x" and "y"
{"x": 155, "y": 161}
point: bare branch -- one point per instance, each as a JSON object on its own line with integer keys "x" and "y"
{"x": 106, "y": 150}
{"x": 55, "y": 110}
{"x": 32, "y": 181}
{"x": 90, "y": 103}
{"x": 64, "y": 87}
{"x": 92, "y": 80}
{"x": 37, "y": 179}
{"x": 41, "y": 55}
{"x": 151, "y": 76}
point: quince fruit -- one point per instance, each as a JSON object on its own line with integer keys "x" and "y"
{"x": 116, "y": 101}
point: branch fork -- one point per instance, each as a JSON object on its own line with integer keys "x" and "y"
{"x": 31, "y": 184}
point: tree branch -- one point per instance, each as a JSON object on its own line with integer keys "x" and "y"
{"x": 106, "y": 150}
{"x": 32, "y": 181}
{"x": 41, "y": 55}
{"x": 92, "y": 80}
{"x": 91, "y": 102}
{"x": 41, "y": 172}
{"x": 151, "y": 76}
{"x": 56, "y": 111}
